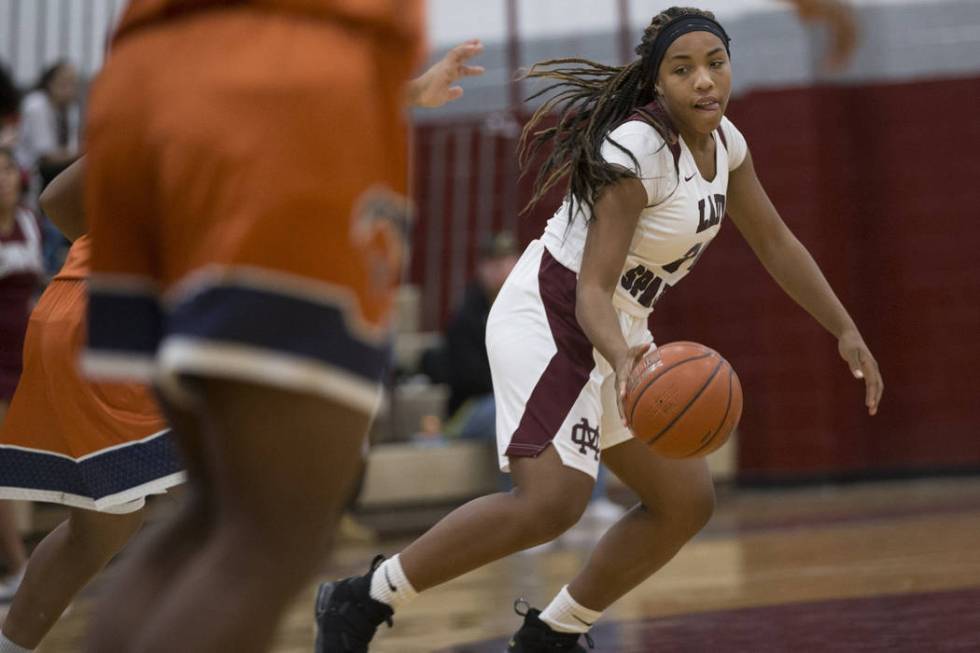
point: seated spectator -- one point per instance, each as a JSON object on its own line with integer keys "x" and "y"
{"x": 49, "y": 127}
{"x": 470, "y": 408}
{"x": 48, "y": 142}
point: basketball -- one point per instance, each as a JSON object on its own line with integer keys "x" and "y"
{"x": 685, "y": 402}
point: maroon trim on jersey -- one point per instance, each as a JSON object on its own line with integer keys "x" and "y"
{"x": 652, "y": 110}
{"x": 567, "y": 372}
{"x": 721, "y": 136}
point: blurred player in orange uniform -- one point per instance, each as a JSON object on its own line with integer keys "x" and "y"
{"x": 98, "y": 449}
{"x": 247, "y": 169}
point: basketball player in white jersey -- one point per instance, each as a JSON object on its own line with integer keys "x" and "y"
{"x": 653, "y": 166}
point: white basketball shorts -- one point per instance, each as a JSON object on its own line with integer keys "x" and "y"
{"x": 550, "y": 385}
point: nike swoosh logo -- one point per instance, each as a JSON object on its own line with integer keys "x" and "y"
{"x": 582, "y": 621}
{"x": 690, "y": 178}
{"x": 391, "y": 586}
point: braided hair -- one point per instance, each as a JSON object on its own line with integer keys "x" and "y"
{"x": 592, "y": 99}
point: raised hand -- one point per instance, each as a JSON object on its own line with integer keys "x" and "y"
{"x": 838, "y": 16}
{"x": 436, "y": 86}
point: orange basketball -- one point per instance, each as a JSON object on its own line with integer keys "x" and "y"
{"x": 684, "y": 403}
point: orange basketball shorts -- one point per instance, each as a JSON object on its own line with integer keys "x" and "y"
{"x": 65, "y": 440}
{"x": 246, "y": 197}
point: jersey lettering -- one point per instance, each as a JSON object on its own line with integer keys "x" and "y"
{"x": 692, "y": 254}
{"x": 642, "y": 284}
{"x": 715, "y": 209}
{"x": 645, "y": 285}
{"x": 650, "y": 294}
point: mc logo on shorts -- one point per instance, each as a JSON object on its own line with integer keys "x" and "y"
{"x": 586, "y": 437}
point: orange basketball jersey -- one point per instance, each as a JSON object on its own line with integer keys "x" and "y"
{"x": 401, "y": 19}
{"x": 76, "y": 265}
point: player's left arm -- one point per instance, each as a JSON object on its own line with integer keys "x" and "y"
{"x": 790, "y": 264}
{"x": 437, "y": 85}
{"x": 63, "y": 200}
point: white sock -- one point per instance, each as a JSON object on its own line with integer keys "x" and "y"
{"x": 565, "y": 615}
{"x": 6, "y": 646}
{"x": 390, "y": 585}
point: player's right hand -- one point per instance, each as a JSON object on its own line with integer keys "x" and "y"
{"x": 624, "y": 368}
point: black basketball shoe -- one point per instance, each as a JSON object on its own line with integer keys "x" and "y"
{"x": 535, "y": 636}
{"x": 346, "y": 615}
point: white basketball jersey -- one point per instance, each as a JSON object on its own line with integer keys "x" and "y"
{"x": 23, "y": 256}
{"x": 683, "y": 214}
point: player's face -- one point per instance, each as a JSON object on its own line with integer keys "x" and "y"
{"x": 695, "y": 81}
{"x": 64, "y": 86}
{"x": 9, "y": 182}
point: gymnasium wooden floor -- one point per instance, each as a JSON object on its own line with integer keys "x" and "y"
{"x": 871, "y": 567}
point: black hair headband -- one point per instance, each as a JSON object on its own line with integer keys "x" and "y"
{"x": 679, "y": 27}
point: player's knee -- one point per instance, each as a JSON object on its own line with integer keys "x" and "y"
{"x": 275, "y": 562}
{"x": 125, "y": 527}
{"x": 702, "y": 508}
{"x": 543, "y": 528}
{"x": 694, "y": 511}
{"x": 551, "y": 514}
{"x": 553, "y": 524}
{"x": 101, "y": 535}
{"x": 300, "y": 543}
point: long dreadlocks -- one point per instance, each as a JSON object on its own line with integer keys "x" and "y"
{"x": 592, "y": 99}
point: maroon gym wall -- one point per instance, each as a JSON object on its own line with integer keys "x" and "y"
{"x": 879, "y": 182}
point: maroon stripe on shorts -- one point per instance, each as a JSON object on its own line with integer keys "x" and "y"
{"x": 567, "y": 372}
